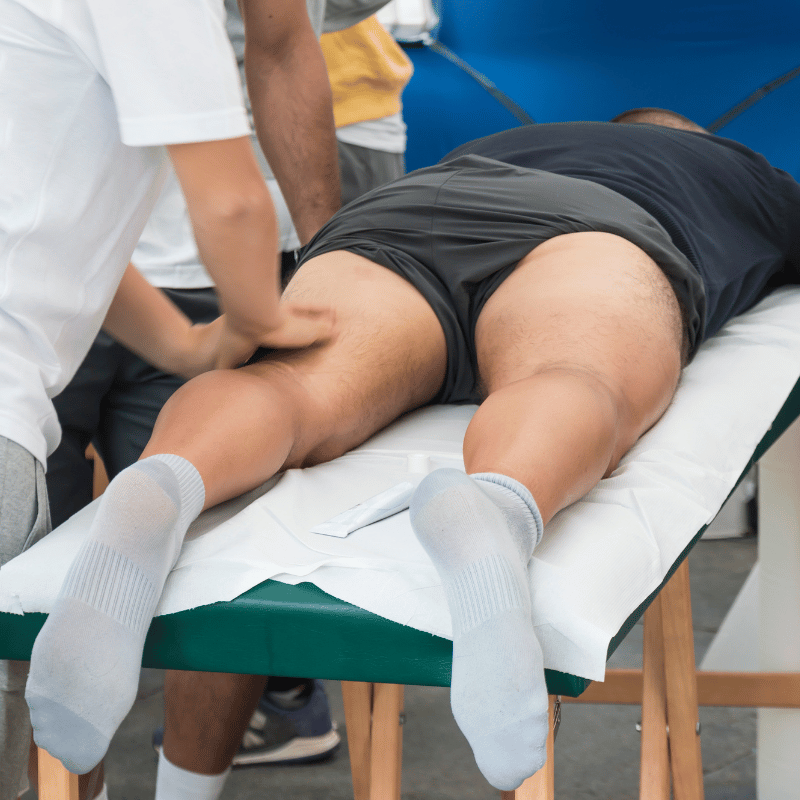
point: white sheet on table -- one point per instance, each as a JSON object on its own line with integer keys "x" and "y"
{"x": 598, "y": 561}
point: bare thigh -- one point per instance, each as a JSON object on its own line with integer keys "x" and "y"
{"x": 299, "y": 408}
{"x": 389, "y": 356}
{"x": 593, "y": 307}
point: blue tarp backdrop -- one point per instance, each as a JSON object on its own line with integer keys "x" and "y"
{"x": 591, "y": 59}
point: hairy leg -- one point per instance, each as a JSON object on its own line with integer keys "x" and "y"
{"x": 220, "y": 435}
{"x": 579, "y": 351}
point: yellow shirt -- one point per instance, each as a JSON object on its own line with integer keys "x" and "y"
{"x": 368, "y": 72}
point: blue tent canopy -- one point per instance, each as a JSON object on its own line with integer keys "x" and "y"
{"x": 592, "y": 59}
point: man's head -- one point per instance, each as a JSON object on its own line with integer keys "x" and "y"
{"x": 658, "y": 116}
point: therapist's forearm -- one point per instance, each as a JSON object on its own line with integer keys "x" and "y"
{"x": 292, "y": 107}
{"x": 239, "y": 251}
{"x": 234, "y": 225}
{"x": 145, "y": 321}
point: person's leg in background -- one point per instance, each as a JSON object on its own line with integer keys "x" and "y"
{"x": 365, "y": 168}
{"x": 579, "y": 353}
{"x": 200, "y": 751}
{"x": 288, "y": 721}
{"x": 24, "y": 519}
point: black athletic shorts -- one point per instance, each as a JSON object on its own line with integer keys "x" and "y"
{"x": 456, "y": 230}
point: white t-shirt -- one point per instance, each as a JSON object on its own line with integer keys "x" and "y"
{"x": 88, "y": 89}
{"x": 387, "y": 134}
{"x": 167, "y": 252}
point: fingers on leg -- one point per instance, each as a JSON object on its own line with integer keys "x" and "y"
{"x": 579, "y": 352}
{"x": 301, "y": 407}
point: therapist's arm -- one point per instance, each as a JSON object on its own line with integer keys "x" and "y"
{"x": 292, "y": 107}
{"x": 145, "y": 321}
{"x": 236, "y": 233}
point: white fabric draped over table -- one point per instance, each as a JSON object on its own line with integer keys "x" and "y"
{"x": 598, "y": 560}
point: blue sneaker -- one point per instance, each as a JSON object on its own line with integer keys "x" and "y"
{"x": 291, "y": 727}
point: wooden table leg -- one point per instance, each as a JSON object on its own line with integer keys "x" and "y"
{"x": 358, "y": 721}
{"x": 681, "y": 683}
{"x": 387, "y": 742}
{"x": 540, "y": 786}
{"x": 654, "y": 771}
{"x": 55, "y": 782}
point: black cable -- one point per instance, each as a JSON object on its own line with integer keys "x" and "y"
{"x": 516, "y": 110}
{"x": 752, "y": 99}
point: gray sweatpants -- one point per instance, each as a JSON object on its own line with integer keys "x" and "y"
{"x": 362, "y": 169}
{"x": 24, "y": 519}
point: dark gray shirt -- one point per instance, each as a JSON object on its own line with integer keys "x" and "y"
{"x": 726, "y": 208}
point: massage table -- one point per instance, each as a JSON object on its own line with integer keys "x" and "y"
{"x": 646, "y": 513}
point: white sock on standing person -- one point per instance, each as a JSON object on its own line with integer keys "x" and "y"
{"x": 175, "y": 783}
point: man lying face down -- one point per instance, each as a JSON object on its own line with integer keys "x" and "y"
{"x": 558, "y": 274}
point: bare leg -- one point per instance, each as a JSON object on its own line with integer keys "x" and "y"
{"x": 227, "y": 432}
{"x": 579, "y": 352}
{"x": 207, "y": 742}
{"x": 240, "y": 427}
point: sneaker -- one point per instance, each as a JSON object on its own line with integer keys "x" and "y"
{"x": 291, "y": 727}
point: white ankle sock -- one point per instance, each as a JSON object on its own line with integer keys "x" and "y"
{"x": 86, "y": 659}
{"x": 480, "y": 532}
{"x": 519, "y": 510}
{"x": 174, "y": 783}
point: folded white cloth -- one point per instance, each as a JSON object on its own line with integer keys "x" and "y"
{"x": 598, "y": 560}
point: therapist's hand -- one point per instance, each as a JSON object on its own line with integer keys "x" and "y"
{"x": 298, "y": 326}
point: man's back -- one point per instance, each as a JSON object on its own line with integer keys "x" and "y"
{"x": 725, "y": 207}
